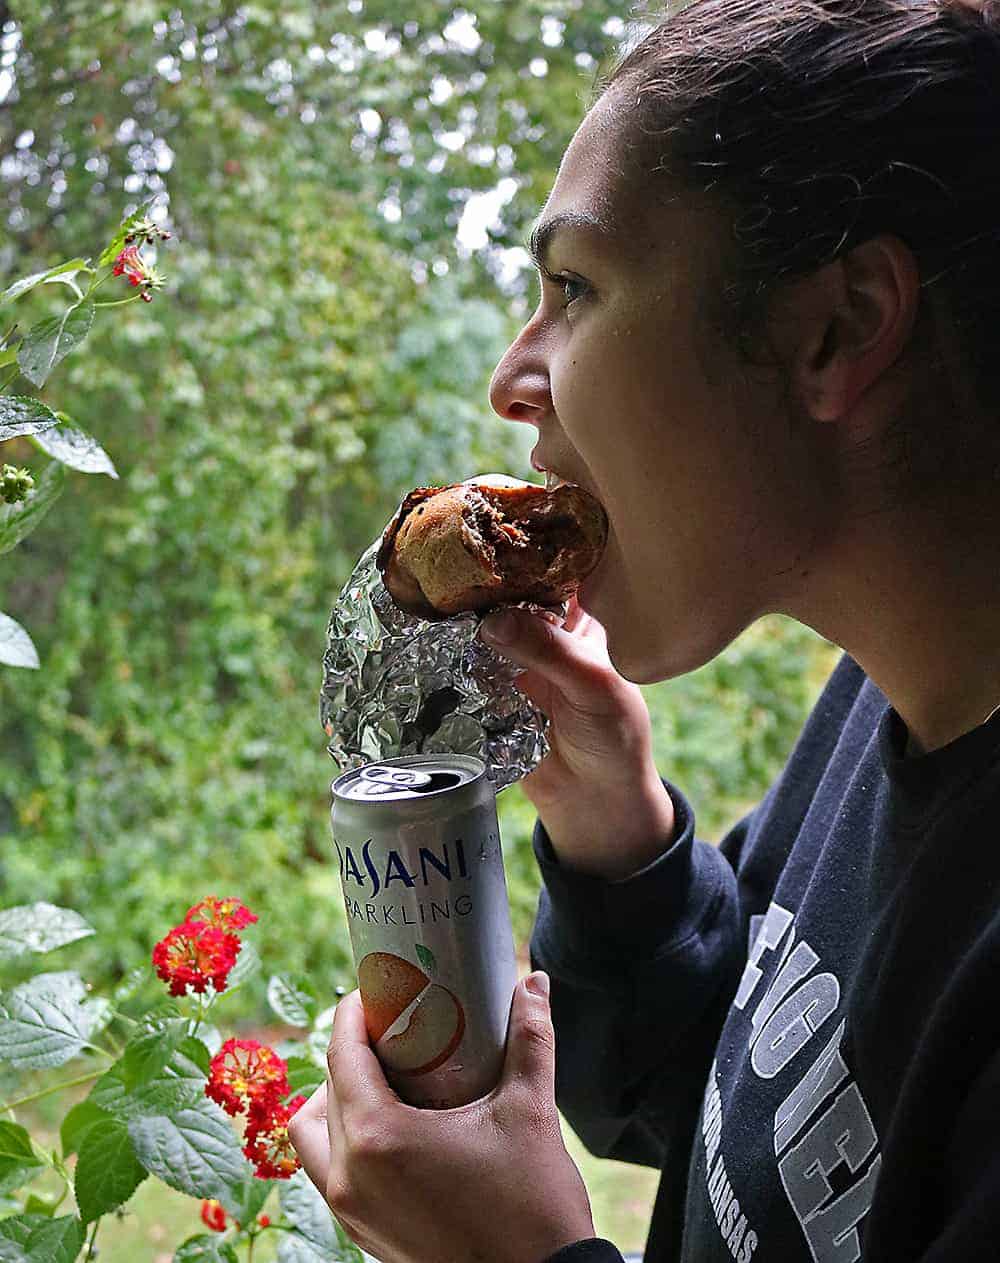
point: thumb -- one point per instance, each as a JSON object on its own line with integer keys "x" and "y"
{"x": 531, "y": 1042}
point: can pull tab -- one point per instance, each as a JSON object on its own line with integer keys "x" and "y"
{"x": 395, "y": 777}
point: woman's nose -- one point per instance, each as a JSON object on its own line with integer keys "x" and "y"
{"x": 519, "y": 390}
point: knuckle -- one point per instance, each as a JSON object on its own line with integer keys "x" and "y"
{"x": 296, "y": 1129}
{"x": 338, "y": 1193}
{"x": 537, "y": 1031}
{"x": 370, "y": 1142}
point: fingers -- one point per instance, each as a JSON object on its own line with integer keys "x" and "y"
{"x": 574, "y": 661}
{"x": 307, "y": 1130}
{"x": 530, "y": 1063}
{"x": 356, "y": 1077}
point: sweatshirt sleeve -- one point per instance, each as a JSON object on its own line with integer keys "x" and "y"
{"x": 642, "y": 973}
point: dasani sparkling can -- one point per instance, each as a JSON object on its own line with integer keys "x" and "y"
{"x": 418, "y": 844}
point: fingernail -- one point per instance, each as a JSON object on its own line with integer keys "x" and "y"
{"x": 538, "y": 984}
{"x": 500, "y": 629}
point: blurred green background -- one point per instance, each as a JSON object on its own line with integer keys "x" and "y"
{"x": 348, "y": 186}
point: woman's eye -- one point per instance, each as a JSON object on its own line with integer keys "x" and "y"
{"x": 572, "y": 288}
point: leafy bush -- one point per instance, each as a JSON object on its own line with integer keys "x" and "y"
{"x": 163, "y": 1085}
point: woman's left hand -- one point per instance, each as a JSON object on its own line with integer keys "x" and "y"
{"x": 488, "y": 1182}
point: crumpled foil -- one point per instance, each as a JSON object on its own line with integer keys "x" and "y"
{"x": 394, "y": 684}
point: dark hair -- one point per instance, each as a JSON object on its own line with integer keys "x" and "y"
{"x": 818, "y": 124}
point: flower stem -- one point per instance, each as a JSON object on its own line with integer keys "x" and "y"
{"x": 56, "y": 1087}
{"x": 4, "y": 385}
{"x": 250, "y": 1246}
{"x": 120, "y": 302}
{"x": 90, "y": 1244}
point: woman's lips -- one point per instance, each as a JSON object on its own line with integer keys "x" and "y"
{"x": 552, "y": 479}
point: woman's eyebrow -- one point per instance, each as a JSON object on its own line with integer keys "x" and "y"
{"x": 540, "y": 238}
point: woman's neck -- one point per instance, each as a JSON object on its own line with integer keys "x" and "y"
{"x": 913, "y": 595}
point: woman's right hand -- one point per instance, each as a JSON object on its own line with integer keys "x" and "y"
{"x": 597, "y": 791}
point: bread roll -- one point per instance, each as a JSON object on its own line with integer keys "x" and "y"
{"x": 487, "y": 542}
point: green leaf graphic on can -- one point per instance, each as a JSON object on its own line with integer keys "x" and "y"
{"x": 426, "y": 958}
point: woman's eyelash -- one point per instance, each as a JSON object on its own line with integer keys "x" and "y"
{"x": 562, "y": 282}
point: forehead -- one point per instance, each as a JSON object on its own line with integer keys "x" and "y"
{"x": 589, "y": 182}
{"x": 597, "y": 183}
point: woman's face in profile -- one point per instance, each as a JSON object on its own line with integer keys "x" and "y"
{"x": 636, "y": 395}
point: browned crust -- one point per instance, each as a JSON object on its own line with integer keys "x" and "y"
{"x": 471, "y": 546}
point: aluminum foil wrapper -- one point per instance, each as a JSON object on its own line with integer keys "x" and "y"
{"x": 394, "y": 684}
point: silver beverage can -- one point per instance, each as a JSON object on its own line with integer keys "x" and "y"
{"x": 418, "y": 844}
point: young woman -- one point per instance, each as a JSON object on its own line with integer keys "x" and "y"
{"x": 766, "y": 341}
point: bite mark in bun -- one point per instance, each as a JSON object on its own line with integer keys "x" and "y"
{"x": 487, "y": 542}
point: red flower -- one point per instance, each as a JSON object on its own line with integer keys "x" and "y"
{"x": 264, "y": 1221}
{"x": 225, "y": 914}
{"x": 245, "y": 1074}
{"x": 131, "y": 262}
{"x": 137, "y": 269}
{"x": 267, "y": 1143}
{"x": 212, "y": 1214}
{"x": 193, "y": 955}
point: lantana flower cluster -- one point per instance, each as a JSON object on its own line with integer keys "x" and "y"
{"x": 131, "y": 264}
{"x": 246, "y": 1076}
{"x": 202, "y": 950}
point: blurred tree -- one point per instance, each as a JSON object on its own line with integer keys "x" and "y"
{"x": 347, "y": 185}
{"x": 326, "y": 344}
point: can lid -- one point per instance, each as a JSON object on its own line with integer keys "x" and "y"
{"x": 408, "y": 777}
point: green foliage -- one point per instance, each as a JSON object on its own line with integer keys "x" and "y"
{"x": 147, "y": 1112}
{"x": 322, "y": 345}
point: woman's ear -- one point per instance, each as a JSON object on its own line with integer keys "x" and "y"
{"x": 846, "y": 324}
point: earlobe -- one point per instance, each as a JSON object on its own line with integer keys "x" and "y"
{"x": 873, "y": 294}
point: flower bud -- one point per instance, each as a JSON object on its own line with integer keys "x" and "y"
{"x": 15, "y": 484}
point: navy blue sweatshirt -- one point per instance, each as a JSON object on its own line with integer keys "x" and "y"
{"x": 801, "y": 1027}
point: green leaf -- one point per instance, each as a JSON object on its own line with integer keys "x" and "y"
{"x": 39, "y": 927}
{"x": 149, "y": 1051}
{"x": 247, "y": 964}
{"x": 21, "y": 415}
{"x": 294, "y": 1248}
{"x": 16, "y": 646}
{"x": 117, "y": 242}
{"x": 41, "y": 1238}
{"x": 27, "y": 283}
{"x": 252, "y": 1197}
{"x": 46, "y": 1021}
{"x": 180, "y": 1085}
{"x": 51, "y": 340}
{"x": 131, "y": 984}
{"x": 293, "y": 998}
{"x": 197, "y": 1052}
{"x": 309, "y": 1215}
{"x": 304, "y": 1074}
{"x": 18, "y": 1161}
{"x": 107, "y": 1170}
{"x": 19, "y": 520}
{"x": 194, "y": 1151}
{"x": 205, "y": 1248}
{"x": 71, "y": 446}
{"x": 76, "y": 1124}
{"x": 39, "y": 1206}
{"x": 426, "y": 958}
